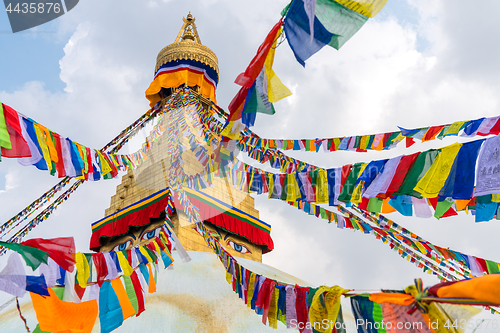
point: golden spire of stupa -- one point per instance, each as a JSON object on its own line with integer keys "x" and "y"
{"x": 187, "y": 45}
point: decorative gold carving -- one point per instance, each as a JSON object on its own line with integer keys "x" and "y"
{"x": 188, "y": 51}
{"x": 187, "y": 46}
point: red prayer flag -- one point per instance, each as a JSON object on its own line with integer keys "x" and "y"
{"x": 432, "y": 132}
{"x": 138, "y": 292}
{"x": 61, "y": 172}
{"x": 20, "y": 147}
{"x": 449, "y": 212}
{"x": 237, "y": 103}
{"x": 495, "y": 130}
{"x": 409, "y": 141}
{"x": 301, "y": 307}
{"x": 61, "y": 250}
{"x": 253, "y": 70}
{"x": 404, "y": 165}
{"x": 100, "y": 266}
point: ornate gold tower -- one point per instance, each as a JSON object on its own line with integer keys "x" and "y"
{"x": 186, "y": 62}
{"x": 185, "y": 52}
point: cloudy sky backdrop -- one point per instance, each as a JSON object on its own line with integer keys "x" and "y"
{"x": 418, "y": 63}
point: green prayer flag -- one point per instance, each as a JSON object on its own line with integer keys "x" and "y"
{"x": 338, "y": 20}
{"x": 375, "y": 205}
{"x": 259, "y": 102}
{"x": 90, "y": 261}
{"x": 329, "y": 145}
{"x": 59, "y": 291}
{"x": 314, "y": 176}
{"x": 378, "y": 317}
{"x": 393, "y": 136}
{"x": 323, "y": 214}
{"x": 421, "y": 165}
{"x": 308, "y": 145}
{"x": 492, "y": 267}
{"x": 370, "y": 141}
{"x": 441, "y": 134}
{"x": 442, "y": 207}
{"x": 348, "y": 188}
{"x": 357, "y": 142}
{"x": 4, "y": 134}
{"x": 31, "y": 255}
{"x": 151, "y": 253}
{"x": 129, "y": 288}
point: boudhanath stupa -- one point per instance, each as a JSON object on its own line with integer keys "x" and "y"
{"x": 193, "y": 294}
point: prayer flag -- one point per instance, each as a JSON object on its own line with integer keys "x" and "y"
{"x": 4, "y": 134}
{"x": 61, "y": 250}
{"x": 18, "y": 145}
{"x": 54, "y": 315}
{"x": 32, "y": 256}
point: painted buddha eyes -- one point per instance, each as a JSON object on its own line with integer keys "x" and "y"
{"x": 238, "y": 247}
{"x": 122, "y": 246}
{"x": 146, "y": 236}
{"x": 151, "y": 234}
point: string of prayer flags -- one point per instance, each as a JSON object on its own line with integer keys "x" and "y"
{"x": 477, "y": 266}
{"x": 414, "y": 306}
{"x": 260, "y": 87}
{"x": 26, "y": 212}
{"x": 308, "y": 28}
{"x": 445, "y": 177}
{"x": 309, "y": 307}
{"x": 42, "y": 216}
{"x": 381, "y": 141}
{"x": 34, "y": 144}
{"x": 120, "y": 293}
{"x": 353, "y": 222}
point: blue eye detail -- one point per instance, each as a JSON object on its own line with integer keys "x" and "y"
{"x": 238, "y": 247}
{"x": 151, "y": 234}
{"x": 122, "y": 246}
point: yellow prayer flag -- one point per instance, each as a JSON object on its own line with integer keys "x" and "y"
{"x": 454, "y": 128}
{"x": 322, "y": 186}
{"x": 368, "y": 8}
{"x": 43, "y": 145}
{"x": 82, "y": 269}
{"x": 434, "y": 179}
{"x": 105, "y": 168}
{"x": 276, "y": 90}
{"x": 318, "y": 312}
{"x": 272, "y": 315}
{"x": 50, "y": 144}
{"x": 292, "y": 188}
{"x": 126, "y": 268}
{"x": 251, "y": 288}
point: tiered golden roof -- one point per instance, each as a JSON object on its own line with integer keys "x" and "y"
{"x": 187, "y": 45}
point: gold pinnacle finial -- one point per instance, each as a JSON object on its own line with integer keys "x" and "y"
{"x": 187, "y": 45}
{"x": 188, "y": 35}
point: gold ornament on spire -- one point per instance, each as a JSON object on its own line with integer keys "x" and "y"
{"x": 188, "y": 46}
